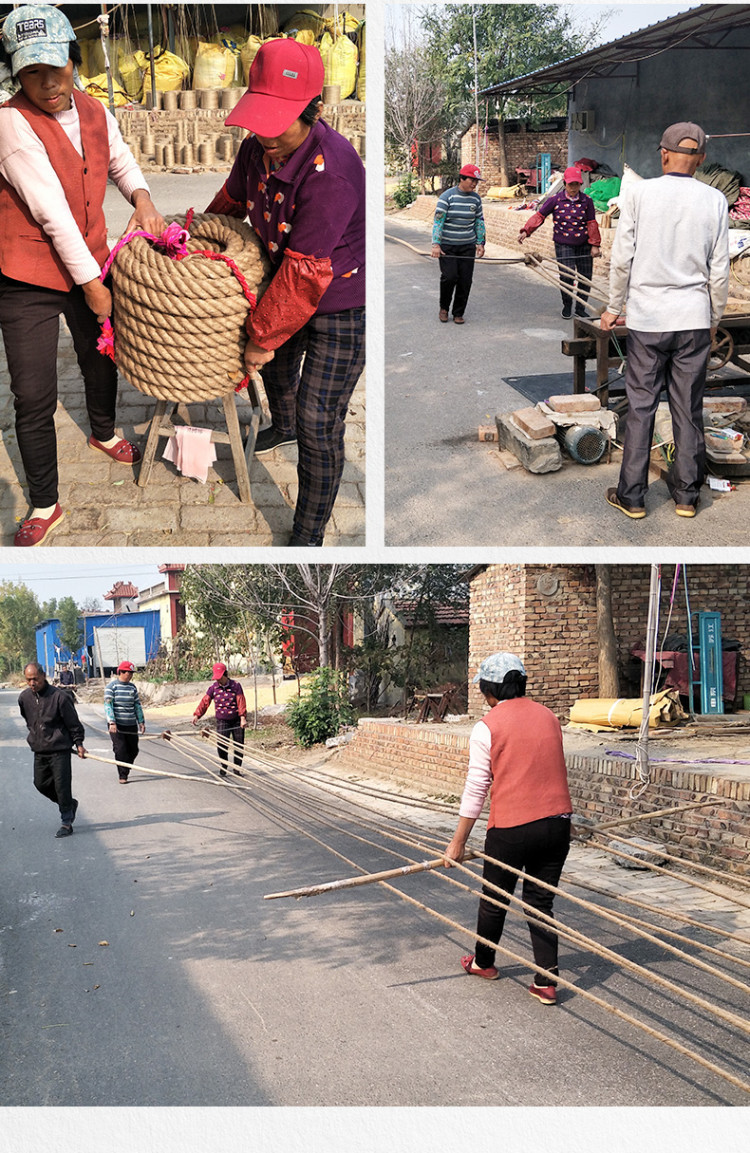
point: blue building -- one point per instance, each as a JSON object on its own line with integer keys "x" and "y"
{"x": 108, "y": 638}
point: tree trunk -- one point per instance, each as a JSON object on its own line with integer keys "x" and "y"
{"x": 605, "y": 631}
{"x": 502, "y": 157}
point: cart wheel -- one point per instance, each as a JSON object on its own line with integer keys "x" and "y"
{"x": 722, "y": 349}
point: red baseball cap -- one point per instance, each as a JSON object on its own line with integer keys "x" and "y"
{"x": 573, "y": 176}
{"x": 218, "y": 671}
{"x": 284, "y": 77}
{"x": 126, "y": 667}
{"x": 471, "y": 170}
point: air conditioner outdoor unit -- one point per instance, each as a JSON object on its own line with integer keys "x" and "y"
{"x": 582, "y": 121}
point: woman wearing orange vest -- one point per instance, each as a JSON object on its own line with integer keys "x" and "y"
{"x": 515, "y": 754}
{"x": 58, "y": 146}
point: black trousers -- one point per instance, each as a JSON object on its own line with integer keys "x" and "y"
{"x": 226, "y": 729}
{"x": 30, "y": 323}
{"x": 456, "y": 275}
{"x": 125, "y": 747}
{"x": 575, "y": 261}
{"x": 540, "y": 849}
{"x": 677, "y": 362}
{"x": 53, "y": 778}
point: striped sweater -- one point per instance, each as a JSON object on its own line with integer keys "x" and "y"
{"x": 122, "y": 705}
{"x": 458, "y": 218}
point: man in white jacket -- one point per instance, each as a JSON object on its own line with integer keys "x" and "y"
{"x": 670, "y": 260}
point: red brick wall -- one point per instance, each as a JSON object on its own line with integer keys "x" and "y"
{"x": 521, "y": 150}
{"x": 554, "y": 633}
{"x": 433, "y": 758}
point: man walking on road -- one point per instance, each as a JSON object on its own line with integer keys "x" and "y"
{"x": 122, "y": 708}
{"x": 54, "y": 727}
{"x": 231, "y": 715}
{"x": 670, "y": 259}
{"x": 458, "y": 236}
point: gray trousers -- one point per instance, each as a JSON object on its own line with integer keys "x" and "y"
{"x": 675, "y": 361}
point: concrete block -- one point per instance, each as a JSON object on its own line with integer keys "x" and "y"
{"x": 578, "y": 402}
{"x": 712, "y": 404}
{"x": 534, "y": 423}
{"x": 534, "y": 455}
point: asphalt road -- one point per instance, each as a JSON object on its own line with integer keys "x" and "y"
{"x": 445, "y": 488}
{"x": 205, "y": 995}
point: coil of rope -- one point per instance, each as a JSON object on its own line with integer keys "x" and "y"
{"x": 180, "y": 319}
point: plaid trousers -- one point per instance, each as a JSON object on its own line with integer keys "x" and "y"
{"x": 311, "y": 398}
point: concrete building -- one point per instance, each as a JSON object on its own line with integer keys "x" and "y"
{"x": 623, "y": 94}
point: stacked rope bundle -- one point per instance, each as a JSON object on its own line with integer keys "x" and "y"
{"x": 180, "y": 323}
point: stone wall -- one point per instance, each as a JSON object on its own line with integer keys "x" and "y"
{"x": 433, "y": 758}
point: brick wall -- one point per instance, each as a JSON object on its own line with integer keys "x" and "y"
{"x": 433, "y": 758}
{"x": 504, "y": 223}
{"x": 521, "y": 150}
{"x": 547, "y": 614}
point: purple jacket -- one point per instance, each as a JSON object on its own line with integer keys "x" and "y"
{"x": 314, "y": 204}
{"x": 570, "y": 217}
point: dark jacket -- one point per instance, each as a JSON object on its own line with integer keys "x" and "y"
{"x": 52, "y": 720}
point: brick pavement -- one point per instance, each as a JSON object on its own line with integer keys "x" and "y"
{"x": 103, "y": 503}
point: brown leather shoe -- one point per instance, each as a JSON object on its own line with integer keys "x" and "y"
{"x": 634, "y": 512}
{"x": 685, "y": 509}
{"x": 458, "y": 320}
{"x": 443, "y": 315}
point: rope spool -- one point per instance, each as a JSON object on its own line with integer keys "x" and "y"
{"x": 331, "y": 94}
{"x": 169, "y": 101}
{"x": 208, "y": 98}
{"x": 187, "y": 100}
{"x": 180, "y": 324}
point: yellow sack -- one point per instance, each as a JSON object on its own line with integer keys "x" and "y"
{"x": 500, "y": 192}
{"x": 131, "y": 76}
{"x": 214, "y": 66}
{"x": 96, "y": 86}
{"x": 249, "y": 51}
{"x": 595, "y": 714}
{"x": 169, "y": 70}
{"x": 361, "y": 73}
{"x": 340, "y": 62}
{"x": 305, "y": 21}
{"x": 345, "y": 23}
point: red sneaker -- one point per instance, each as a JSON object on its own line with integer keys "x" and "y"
{"x": 35, "y": 529}
{"x": 123, "y": 452}
{"x": 547, "y": 994}
{"x": 490, "y": 974}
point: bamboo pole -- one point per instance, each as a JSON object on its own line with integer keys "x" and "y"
{"x": 368, "y": 879}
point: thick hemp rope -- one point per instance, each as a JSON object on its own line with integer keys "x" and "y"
{"x": 180, "y": 319}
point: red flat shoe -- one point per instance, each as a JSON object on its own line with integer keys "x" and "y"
{"x": 35, "y": 529}
{"x": 490, "y": 974}
{"x": 123, "y": 452}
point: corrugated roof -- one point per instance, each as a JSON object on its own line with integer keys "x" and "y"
{"x": 703, "y": 27}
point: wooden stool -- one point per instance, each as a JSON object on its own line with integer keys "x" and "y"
{"x": 161, "y": 425}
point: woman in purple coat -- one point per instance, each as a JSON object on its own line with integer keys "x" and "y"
{"x": 302, "y": 186}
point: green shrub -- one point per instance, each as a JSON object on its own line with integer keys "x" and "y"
{"x": 405, "y": 191}
{"x": 322, "y": 710}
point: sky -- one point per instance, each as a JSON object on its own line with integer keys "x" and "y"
{"x": 78, "y": 581}
{"x": 624, "y": 17}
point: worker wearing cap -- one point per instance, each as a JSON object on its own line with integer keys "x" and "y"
{"x": 576, "y": 236}
{"x": 122, "y": 708}
{"x": 231, "y": 715}
{"x": 458, "y": 236}
{"x": 515, "y": 754}
{"x": 670, "y": 264}
{"x": 302, "y": 185}
{"x": 58, "y": 147}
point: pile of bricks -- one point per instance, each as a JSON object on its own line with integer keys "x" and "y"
{"x": 529, "y": 435}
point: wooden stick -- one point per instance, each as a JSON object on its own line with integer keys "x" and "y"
{"x": 656, "y": 813}
{"x": 162, "y": 773}
{"x": 368, "y": 879}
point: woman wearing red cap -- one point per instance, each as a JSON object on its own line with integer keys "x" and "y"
{"x": 231, "y": 715}
{"x": 302, "y": 185}
{"x": 576, "y": 236}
